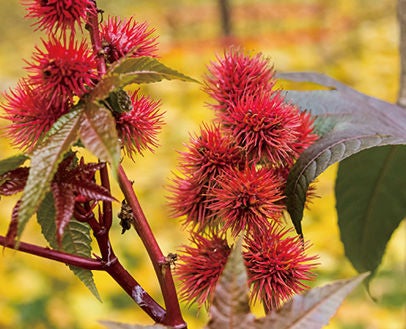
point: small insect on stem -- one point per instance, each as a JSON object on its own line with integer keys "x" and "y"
{"x": 169, "y": 260}
{"x": 126, "y": 216}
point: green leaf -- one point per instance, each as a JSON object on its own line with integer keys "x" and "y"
{"x": 230, "y": 308}
{"x": 319, "y": 157}
{"x": 313, "y": 309}
{"x": 135, "y": 70}
{"x": 12, "y": 163}
{"x": 98, "y": 134}
{"x": 371, "y": 203}
{"x": 349, "y": 123}
{"x": 76, "y": 239}
{"x": 44, "y": 163}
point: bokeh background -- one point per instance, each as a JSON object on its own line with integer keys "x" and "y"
{"x": 354, "y": 41}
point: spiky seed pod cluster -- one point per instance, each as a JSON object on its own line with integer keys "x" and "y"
{"x": 232, "y": 183}
{"x": 64, "y": 69}
{"x": 61, "y": 74}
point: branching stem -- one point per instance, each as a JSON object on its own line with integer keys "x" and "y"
{"x": 162, "y": 270}
{"x": 59, "y": 256}
{"x": 172, "y": 316}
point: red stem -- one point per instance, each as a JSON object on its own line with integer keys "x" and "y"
{"x": 93, "y": 27}
{"x": 114, "y": 268}
{"x": 173, "y": 316}
{"x": 107, "y": 217}
{"x": 59, "y": 256}
{"x": 161, "y": 266}
{"x": 136, "y": 292}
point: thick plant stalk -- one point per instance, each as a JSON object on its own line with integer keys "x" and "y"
{"x": 107, "y": 217}
{"x": 173, "y": 315}
{"x": 161, "y": 265}
{"x": 93, "y": 27}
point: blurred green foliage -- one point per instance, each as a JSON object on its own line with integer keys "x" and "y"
{"x": 353, "y": 41}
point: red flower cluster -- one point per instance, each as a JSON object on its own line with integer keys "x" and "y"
{"x": 64, "y": 69}
{"x": 233, "y": 177}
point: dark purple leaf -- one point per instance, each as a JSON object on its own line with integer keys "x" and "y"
{"x": 44, "y": 164}
{"x": 64, "y": 205}
{"x": 13, "y": 181}
{"x": 91, "y": 191}
{"x": 79, "y": 178}
{"x": 350, "y": 122}
{"x": 13, "y": 227}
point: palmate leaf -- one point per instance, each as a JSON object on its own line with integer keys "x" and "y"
{"x": 134, "y": 70}
{"x": 313, "y": 309}
{"x": 98, "y": 134}
{"x": 44, "y": 163}
{"x": 12, "y": 163}
{"x": 230, "y": 308}
{"x": 371, "y": 203}
{"x": 350, "y": 122}
{"x": 76, "y": 239}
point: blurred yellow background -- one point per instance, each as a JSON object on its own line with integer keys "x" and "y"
{"x": 355, "y": 42}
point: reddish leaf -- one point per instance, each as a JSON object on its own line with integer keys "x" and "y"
{"x": 79, "y": 179}
{"x": 64, "y": 205}
{"x": 13, "y": 181}
{"x": 44, "y": 164}
{"x": 99, "y": 135}
{"x": 91, "y": 190}
{"x": 13, "y": 227}
{"x": 230, "y": 308}
{"x": 312, "y": 310}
